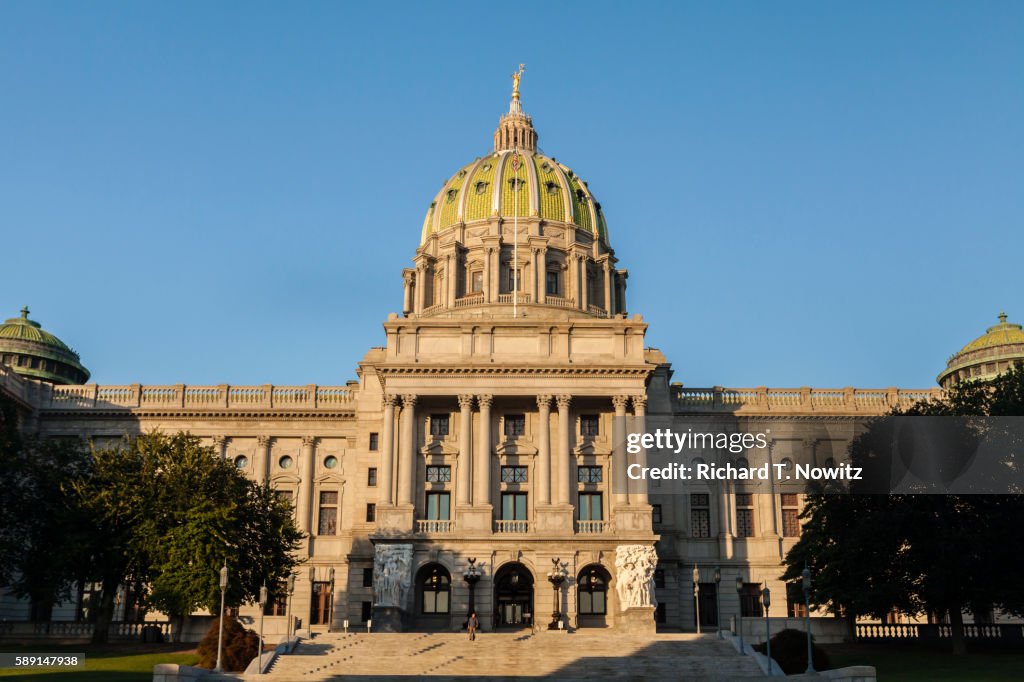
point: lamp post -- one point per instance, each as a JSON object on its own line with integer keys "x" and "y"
{"x": 220, "y": 635}
{"x": 696, "y": 594}
{"x": 472, "y": 576}
{"x": 330, "y": 611}
{"x": 806, "y": 574}
{"x": 766, "y": 599}
{"x": 739, "y": 618}
{"x": 557, "y": 577}
{"x": 263, "y": 606}
{"x": 718, "y": 600}
{"x": 288, "y": 618}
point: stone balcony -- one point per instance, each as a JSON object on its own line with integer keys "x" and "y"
{"x": 803, "y": 400}
{"x": 181, "y": 396}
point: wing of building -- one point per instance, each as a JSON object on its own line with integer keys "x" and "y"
{"x": 486, "y": 436}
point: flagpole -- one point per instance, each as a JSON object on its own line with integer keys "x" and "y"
{"x": 515, "y": 231}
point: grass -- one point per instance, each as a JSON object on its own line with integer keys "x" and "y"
{"x": 119, "y": 662}
{"x": 924, "y": 662}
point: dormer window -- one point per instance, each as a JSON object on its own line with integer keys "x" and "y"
{"x": 516, "y": 183}
{"x": 481, "y": 187}
{"x": 581, "y": 195}
{"x": 452, "y": 193}
{"x": 551, "y": 187}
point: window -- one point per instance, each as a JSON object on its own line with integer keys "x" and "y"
{"x": 285, "y": 496}
{"x": 750, "y": 600}
{"x": 659, "y": 577}
{"x": 588, "y": 425}
{"x": 513, "y": 507}
{"x": 656, "y": 514}
{"x": 592, "y": 589}
{"x": 514, "y": 277}
{"x": 330, "y": 461}
{"x": 795, "y": 606}
{"x": 515, "y": 474}
{"x": 588, "y": 474}
{"x": 366, "y": 611}
{"x": 436, "y": 588}
{"x": 480, "y": 187}
{"x": 515, "y": 425}
{"x": 285, "y": 462}
{"x": 551, "y": 187}
{"x": 371, "y": 477}
{"x": 328, "y": 523}
{"x": 371, "y": 513}
{"x": 660, "y": 613}
{"x": 552, "y": 283}
{"x": 374, "y": 442}
{"x": 241, "y": 461}
{"x": 476, "y": 279}
{"x": 368, "y": 577}
{"x": 439, "y": 474}
{"x": 439, "y": 506}
{"x": 745, "y": 515}
{"x": 277, "y": 602}
{"x": 590, "y": 507}
{"x": 700, "y": 515}
{"x": 790, "y": 515}
{"x": 438, "y": 425}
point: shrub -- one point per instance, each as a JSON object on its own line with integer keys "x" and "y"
{"x": 240, "y": 646}
{"x": 789, "y": 649}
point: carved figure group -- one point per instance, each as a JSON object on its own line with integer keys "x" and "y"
{"x": 634, "y": 566}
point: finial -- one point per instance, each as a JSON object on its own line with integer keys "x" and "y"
{"x": 515, "y": 80}
{"x": 24, "y": 313}
{"x": 1002, "y": 318}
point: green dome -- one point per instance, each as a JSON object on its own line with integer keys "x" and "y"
{"x": 32, "y": 351}
{"x": 989, "y": 355}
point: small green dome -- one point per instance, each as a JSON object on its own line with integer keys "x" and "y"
{"x": 991, "y": 354}
{"x": 32, "y": 351}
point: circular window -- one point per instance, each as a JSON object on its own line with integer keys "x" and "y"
{"x": 742, "y": 463}
{"x": 697, "y": 460}
{"x": 241, "y": 461}
{"x": 285, "y": 462}
{"x": 330, "y": 461}
{"x": 787, "y": 464}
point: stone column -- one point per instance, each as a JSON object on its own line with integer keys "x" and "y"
{"x": 462, "y": 484}
{"x": 453, "y": 278}
{"x": 387, "y": 454}
{"x": 421, "y": 287}
{"x": 562, "y": 482}
{"x": 573, "y": 275}
{"x": 262, "y": 464}
{"x": 607, "y": 288}
{"x": 536, "y": 276}
{"x": 620, "y": 481}
{"x": 407, "y": 448}
{"x": 542, "y": 275}
{"x": 613, "y": 289}
{"x": 482, "y": 465}
{"x": 640, "y": 426}
{"x": 584, "y": 283}
{"x": 305, "y": 501}
{"x": 407, "y": 296}
{"x": 544, "y": 450}
{"x": 220, "y": 444}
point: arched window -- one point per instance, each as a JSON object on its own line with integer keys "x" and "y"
{"x": 436, "y": 585}
{"x": 593, "y": 589}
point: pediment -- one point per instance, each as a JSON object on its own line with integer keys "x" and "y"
{"x": 439, "y": 447}
{"x": 511, "y": 447}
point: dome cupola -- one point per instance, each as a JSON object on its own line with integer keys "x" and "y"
{"x": 986, "y": 357}
{"x": 33, "y": 352}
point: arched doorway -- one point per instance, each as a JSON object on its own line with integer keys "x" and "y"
{"x": 513, "y": 596}
{"x": 592, "y": 596}
{"x": 433, "y": 598}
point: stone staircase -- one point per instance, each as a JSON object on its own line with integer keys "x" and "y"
{"x": 563, "y": 656}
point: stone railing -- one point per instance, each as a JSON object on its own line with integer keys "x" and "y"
{"x": 506, "y": 299}
{"x": 75, "y": 629}
{"x": 511, "y": 526}
{"x": 559, "y": 302}
{"x": 1007, "y": 631}
{"x": 12, "y": 384}
{"x": 594, "y": 527}
{"x": 434, "y": 526}
{"x": 800, "y": 400}
{"x": 596, "y": 310}
{"x": 93, "y": 396}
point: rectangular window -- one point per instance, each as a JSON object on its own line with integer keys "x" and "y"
{"x": 371, "y": 513}
{"x": 286, "y": 495}
{"x": 371, "y": 477}
{"x": 590, "y": 507}
{"x": 515, "y": 425}
{"x": 795, "y": 606}
{"x": 588, "y": 474}
{"x": 589, "y": 425}
{"x": 744, "y": 515}
{"x": 700, "y": 515}
{"x": 328, "y": 521}
{"x": 368, "y": 577}
{"x": 477, "y": 281}
{"x": 439, "y": 506}
{"x": 656, "y": 514}
{"x": 439, "y": 474}
{"x": 366, "y": 611}
{"x": 790, "y": 516}
{"x": 374, "y": 442}
{"x": 660, "y": 613}
{"x": 552, "y": 280}
{"x": 277, "y": 603}
{"x": 514, "y": 474}
{"x": 513, "y": 507}
{"x": 750, "y": 600}
{"x": 659, "y": 577}
{"x": 438, "y": 425}
{"x": 514, "y": 277}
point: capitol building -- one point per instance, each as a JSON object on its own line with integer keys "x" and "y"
{"x": 485, "y": 436}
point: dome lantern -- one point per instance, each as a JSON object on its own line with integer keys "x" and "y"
{"x": 515, "y": 129}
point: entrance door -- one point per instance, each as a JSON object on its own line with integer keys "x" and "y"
{"x": 708, "y": 605}
{"x": 320, "y": 611}
{"x": 513, "y": 596}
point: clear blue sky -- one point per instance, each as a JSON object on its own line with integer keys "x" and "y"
{"x": 814, "y": 193}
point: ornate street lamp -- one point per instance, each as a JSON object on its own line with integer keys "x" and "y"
{"x": 330, "y": 615}
{"x": 718, "y": 600}
{"x": 806, "y": 574}
{"x": 766, "y": 599}
{"x": 263, "y": 605}
{"x": 472, "y": 576}
{"x": 220, "y": 635}
{"x": 557, "y": 577}
{"x": 739, "y": 618}
{"x": 291, "y": 591}
{"x": 696, "y": 594}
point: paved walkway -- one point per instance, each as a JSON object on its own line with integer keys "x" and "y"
{"x": 511, "y": 656}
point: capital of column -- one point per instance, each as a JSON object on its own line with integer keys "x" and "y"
{"x": 264, "y": 441}
{"x": 309, "y": 440}
{"x": 389, "y": 399}
{"x": 639, "y": 403}
{"x": 620, "y": 402}
{"x": 485, "y": 400}
{"x": 219, "y": 441}
{"x": 409, "y": 400}
{"x": 465, "y": 402}
{"x": 563, "y": 401}
{"x": 544, "y": 402}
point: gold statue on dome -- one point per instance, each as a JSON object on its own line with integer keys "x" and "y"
{"x": 515, "y": 80}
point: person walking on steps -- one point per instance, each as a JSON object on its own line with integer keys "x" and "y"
{"x": 472, "y": 624}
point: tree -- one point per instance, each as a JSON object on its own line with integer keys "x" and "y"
{"x": 871, "y": 553}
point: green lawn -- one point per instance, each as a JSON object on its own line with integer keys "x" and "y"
{"x": 916, "y": 662}
{"x": 120, "y": 662}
